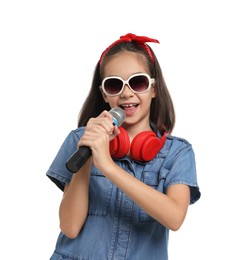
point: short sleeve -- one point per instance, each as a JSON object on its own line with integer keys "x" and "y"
{"x": 57, "y": 172}
{"x": 183, "y": 168}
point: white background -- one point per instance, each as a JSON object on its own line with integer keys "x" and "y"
{"x": 48, "y": 50}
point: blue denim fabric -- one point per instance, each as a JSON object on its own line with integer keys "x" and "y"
{"x": 116, "y": 228}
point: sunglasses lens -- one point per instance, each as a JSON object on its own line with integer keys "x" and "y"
{"x": 139, "y": 83}
{"x": 113, "y": 86}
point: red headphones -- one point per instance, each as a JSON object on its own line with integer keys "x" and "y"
{"x": 144, "y": 146}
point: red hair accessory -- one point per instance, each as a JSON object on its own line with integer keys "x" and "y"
{"x": 141, "y": 40}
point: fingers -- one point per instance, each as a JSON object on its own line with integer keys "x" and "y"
{"x": 94, "y": 139}
{"x": 115, "y": 132}
{"x": 96, "y": 128}
{"x": 104, "y": 120}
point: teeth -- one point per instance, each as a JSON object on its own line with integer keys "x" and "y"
{"x": 128, "y": 105}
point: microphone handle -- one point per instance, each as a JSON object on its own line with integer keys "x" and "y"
{"x": 78, "y": 159}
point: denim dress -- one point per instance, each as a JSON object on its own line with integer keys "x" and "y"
{"x": 117, "y": 228}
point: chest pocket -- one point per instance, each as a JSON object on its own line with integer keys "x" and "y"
{"x": 155, "y": 180}
{"x": 100, "y": 190}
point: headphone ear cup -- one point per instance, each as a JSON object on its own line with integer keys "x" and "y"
{"x": 120, "y": 145}
{"x": 141, "y": 146}
{"x": 146, "y": 145}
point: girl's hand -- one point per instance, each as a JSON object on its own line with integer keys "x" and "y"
{"x": 99, "y": 132}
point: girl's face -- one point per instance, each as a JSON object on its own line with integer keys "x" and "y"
{"x": 135, "y": 105}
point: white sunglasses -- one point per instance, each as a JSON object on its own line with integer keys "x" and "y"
{"x": 137, "y": 83}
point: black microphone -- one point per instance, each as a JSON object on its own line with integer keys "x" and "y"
{"x": 83, "y": 153}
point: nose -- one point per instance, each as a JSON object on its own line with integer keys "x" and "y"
{"x": 127, "y": 91}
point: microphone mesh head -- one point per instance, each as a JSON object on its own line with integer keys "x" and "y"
{"x": 118, "y": 115}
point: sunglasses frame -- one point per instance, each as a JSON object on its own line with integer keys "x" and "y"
{"x": 151, "y": 81}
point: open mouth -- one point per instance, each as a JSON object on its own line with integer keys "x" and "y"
{"x": 129, "y": 109}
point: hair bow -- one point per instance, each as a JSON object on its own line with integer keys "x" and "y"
{"x": 132, "y": 37}
{"x": 129, "y": 37}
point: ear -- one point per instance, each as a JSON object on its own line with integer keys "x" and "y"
{"x": 153, "y": 92}
{"x": 103, "y": 95}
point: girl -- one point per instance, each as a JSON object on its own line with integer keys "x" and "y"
{"x": 140, "y": 180}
